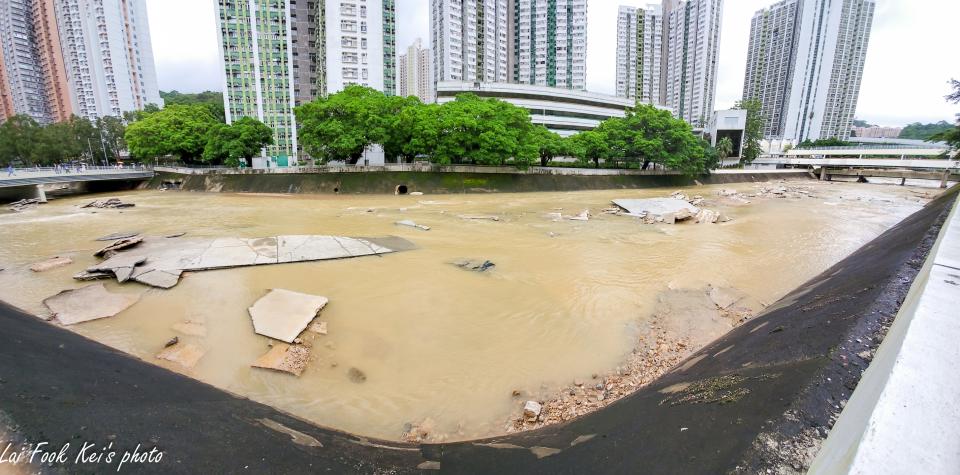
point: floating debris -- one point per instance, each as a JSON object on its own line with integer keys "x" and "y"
{"x": 23, "y": 205}
{"x": 283, "y": 314}
{"x": 285, "y": 358}
{"x": 481, "y": 218}
{"x": 412, "y": 224}
{"x": 92, "y": 302}
{"x": 52, "y": 263}
{"x": 478, "y": 266}
{"x": 108, "y": 203}
{"x": 184, "y": 354}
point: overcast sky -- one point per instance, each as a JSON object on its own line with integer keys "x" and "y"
{"x": 911, "y": 57}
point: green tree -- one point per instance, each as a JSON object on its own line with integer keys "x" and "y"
{"x": 589, "y": 145}
{"x": 649, "y": 135}
{"x": 550, "y": 144}
{"x": 341, "y": 126}
{"x": 484, "y": 132}
{"x": 952, "y": 136}
{"x": 918, "y": 131}
{"x": 244, "y": 139}
{"x": 178, "y": 130}
{"x": 724, "y": 148}
{"x": 18, "y": 137}
{"x": 212, "y": 100}
{"x": 829, "y": 142}
{"x": 753, "y": 132}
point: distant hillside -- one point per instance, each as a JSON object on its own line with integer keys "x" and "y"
{"x": 212, "y": 99}
{"x": 918, "y": 131}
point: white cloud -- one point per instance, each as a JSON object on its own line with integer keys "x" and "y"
{"x": 908, "y": 64}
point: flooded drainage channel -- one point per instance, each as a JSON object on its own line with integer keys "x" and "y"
{"x": 503, "y": 313}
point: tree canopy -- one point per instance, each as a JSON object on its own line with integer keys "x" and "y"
{"x": 212, "y": 100}
{"x": 918, "y": 131}
{"x": 951, "y": 136}
{"x": 243, "y": 139}
{"x": 24, "y": 142}
{"x": 753, "y": 132}
{"x": 178, "y": 130}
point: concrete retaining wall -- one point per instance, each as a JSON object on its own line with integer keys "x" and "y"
{"x": 388, "y": 182}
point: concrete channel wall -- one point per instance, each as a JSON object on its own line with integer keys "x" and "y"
{"x": 442, "y": 180}
{"x": 904, "y": 416}
{"x": 758, "y": 400}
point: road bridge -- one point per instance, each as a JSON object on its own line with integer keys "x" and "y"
{"x": 30, "y": 182}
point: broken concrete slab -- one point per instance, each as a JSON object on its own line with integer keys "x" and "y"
{"x": 118, "y": 245}
{"x": 175, "y": 235}
{"x": 286, "y": 358}
{"x": 583, "y": 216}
{"x": 52, "y": 263}
{"x": 656, "y": 207}
{"x": 284, "y": 314}
{"x": 191, "y": 328}
{"x": 92, "y": 302}
{"x": 90, "y": 276}
{"x": 184, "y": 354}
{"x": 412, "y": 224}
{"x": 725, "y": 297}
{"x": 117, "y": 236}
{"x": 160, "y": 262}
{"x": 108, "y": 203}
{"x": 319, "y": 328}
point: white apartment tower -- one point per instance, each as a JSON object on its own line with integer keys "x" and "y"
{"x": 415, "y": 76}
{"x": 549, "y": 43}
{"x": 693, "y": 40}
{"x": 468, "y": 39}
{"x": 640, "y": 54}
{"x": 805, "y": 66}
{"x": 107, "y": 55}
{"x": 278, "y": 54}
{"x": 667, "y": 56}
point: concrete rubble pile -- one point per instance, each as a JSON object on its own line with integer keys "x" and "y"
{"x": 159, "y": 262}
{"x": 24, "y": 205}
{"x": 113, "y": 203}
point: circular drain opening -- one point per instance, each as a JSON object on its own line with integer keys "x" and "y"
{"x": 401, "y": 189}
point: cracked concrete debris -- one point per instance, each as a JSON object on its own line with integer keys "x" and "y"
{"x": 184, "y": 354}
{"x": 285, "y": 358}
{"x": 118, "y": 245}
{"x": 284, "y": 314}
{"x": 118, "y": 236}
{"x": 159, "y": 262}
{"x": 50, "y": 264}
{"x": 412, "y": 224}
{"x": 92, "y": 302}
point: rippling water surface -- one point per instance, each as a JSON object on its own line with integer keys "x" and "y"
{"x": 565, "y": 300}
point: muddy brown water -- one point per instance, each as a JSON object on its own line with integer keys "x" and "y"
{"x": 566, "y": 299}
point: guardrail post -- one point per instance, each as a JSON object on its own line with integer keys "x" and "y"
{"x": 823, "y": 172}
{"x": 40, "y": 194}
{"x": 946, "y": 178}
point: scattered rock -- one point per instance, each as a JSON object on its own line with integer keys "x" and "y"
{"x": 707, "y": 216}
{"x": 118, "y": 245}
{"x": 172, "y": 341}
{"x": 532, "y": 410}
{"x": 356, "y": 376}
{"x": 186, "y": 355}
{"x": 52, "y": 263}
{"x": 283, "y": 314}
{"x": 23, "y": 205}
{"x": 108, "y": 203}
{"x": 478, "y": 266}
{"x": 285, "y": 358}
{"x": 416, "y": 433}
{"x": 583, "y": 216}
{"x": 412, "y": 224}
{"x": 319, "y": 328}
{"x": 118, "y": 236}
{"x": 88, "y": 303}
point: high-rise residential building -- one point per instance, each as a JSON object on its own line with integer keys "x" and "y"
{"x": 469, "y": 40}
{"x": 278, "y": 54}
{"x": 667, "y": 55}
{"x": 693, "y": 40}
{"x": 415, "y": 76}
{"x": 549, "y": 43}
{"x": 805, "y": 65}
{"x": 640, "y": 54}
{"x": 50, "y": 51}
{"x": 107, "y": 55}
{"x": 22, "y": 81}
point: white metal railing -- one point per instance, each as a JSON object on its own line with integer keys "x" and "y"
{"x": 47, "y": 172}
